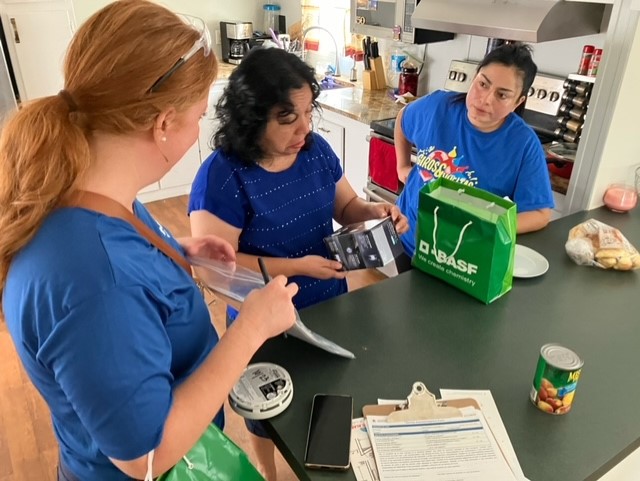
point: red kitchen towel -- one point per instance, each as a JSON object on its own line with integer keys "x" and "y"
{"x": 382, "y": 164}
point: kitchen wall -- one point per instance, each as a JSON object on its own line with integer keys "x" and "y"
{"x": 621, "y": 152}
{"x": 212, "y": 12}
{"x": 559, "y": 57}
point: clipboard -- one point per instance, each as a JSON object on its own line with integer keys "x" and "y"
{"x": 421, "y": 404}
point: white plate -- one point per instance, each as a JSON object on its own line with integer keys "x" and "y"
{"x": 529, "y": 263}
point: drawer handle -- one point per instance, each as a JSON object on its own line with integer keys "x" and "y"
{"x": 375, "y": 196}
{"x": 322, "y": 129}
{"x": 16, "y": 35}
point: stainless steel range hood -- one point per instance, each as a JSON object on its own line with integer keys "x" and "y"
{"x": 523, "y": 20}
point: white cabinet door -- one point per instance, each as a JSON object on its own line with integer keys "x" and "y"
{"x": 333, "y": 133}
{"x": 184, "y": 171}
{"x": 355, "y": 160}
{"x": 209, "y": 123}
{"x": 38, "y": 34}
{"x": 356, "y": 154}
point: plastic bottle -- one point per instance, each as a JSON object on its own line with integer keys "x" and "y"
{"x": 271, "y": 17}
{"x": 395, "y": 68}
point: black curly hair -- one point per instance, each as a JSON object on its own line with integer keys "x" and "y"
{"x": 261, "y": 82}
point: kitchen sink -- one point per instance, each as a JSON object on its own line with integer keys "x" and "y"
{"x": 332, "y": 83}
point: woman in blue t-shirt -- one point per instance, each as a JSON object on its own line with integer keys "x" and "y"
{"x": 272, "y": 187}
{"x": 103, "y": 311}
{"x": 478, "y": 140}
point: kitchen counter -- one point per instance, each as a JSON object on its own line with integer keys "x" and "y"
{"x": 355, "y": 103}
{"x": 415, "y": 327}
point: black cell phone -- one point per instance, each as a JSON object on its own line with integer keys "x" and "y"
{"x": 329, "y": 437}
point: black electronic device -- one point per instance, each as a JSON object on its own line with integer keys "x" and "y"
{"x": 329, "y": 437}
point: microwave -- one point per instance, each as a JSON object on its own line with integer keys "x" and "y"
{"x": 391, "y": 19}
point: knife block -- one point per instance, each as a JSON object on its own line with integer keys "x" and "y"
{"x": 369, "y": 80}
{"x": 378, "y": 70}
{"x": 375, "y": 78}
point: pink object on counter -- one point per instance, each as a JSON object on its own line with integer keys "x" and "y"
{"x": 620, "y": 197}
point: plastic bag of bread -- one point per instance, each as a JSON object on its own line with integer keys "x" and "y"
{"x": 594, "y": 243}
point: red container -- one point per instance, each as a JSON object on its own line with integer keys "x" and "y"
{"x": 408, "y": 79}
{"x": 585, "y": 60}
{"x": 595, "y": 63}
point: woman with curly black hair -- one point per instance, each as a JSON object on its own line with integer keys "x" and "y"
{"x": 272, "y": 187}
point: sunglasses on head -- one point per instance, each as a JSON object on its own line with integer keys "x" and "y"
{"x": 203, "y": 42}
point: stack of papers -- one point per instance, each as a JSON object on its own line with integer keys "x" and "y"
{"x": 471, "y": 444}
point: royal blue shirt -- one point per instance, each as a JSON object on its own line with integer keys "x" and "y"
{"x": 281, "y": 214}
{"x": 106, "y": 326}
{"x": 507, "y": 162}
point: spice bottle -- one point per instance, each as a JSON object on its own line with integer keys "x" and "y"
{"x": 570, "y": 124}
{"x": 408, "y": 79}
{"x": 580, "y": 101}
{"x": 595, "y": 63}
{"x": 585, "y": 60}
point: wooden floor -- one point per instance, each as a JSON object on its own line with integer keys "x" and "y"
{"x": 28, "y": 449}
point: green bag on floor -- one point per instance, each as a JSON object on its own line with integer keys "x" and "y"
{"x": 466, "y": 236}
{"x": 214, "y": 458}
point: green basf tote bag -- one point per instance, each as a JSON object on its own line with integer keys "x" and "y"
{"x": 466, "y": 236}
{"x": 214, "y": 458}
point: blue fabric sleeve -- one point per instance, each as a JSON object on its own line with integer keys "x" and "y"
{"x": 215, "y": 183}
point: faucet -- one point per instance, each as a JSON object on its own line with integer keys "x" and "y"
{"x": 335, "y": 44}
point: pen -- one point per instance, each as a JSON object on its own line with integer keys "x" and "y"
{"x": 266, "y": 277}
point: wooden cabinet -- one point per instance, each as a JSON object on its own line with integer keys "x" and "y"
{"x": 38, "y": 34}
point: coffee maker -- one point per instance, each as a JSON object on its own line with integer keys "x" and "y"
{"x": 235, "y": 37}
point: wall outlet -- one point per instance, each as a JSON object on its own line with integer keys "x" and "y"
{"x": 218, "y": 37}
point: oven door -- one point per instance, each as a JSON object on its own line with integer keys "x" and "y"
{"x": 375, "y": 193}
{"x": 382, "y": 179}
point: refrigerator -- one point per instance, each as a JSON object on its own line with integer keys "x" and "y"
{"x": 8, "y": 88}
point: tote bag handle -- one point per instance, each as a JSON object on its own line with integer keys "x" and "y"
{"x": 435, "y": 228}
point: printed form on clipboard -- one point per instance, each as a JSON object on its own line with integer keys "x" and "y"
{"x": 448, "y": 440}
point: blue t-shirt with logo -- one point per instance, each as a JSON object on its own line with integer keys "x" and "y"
{"x": 507, "y": 162}
{"x": 106, "y": 326}
{"x": 281, "y": 214}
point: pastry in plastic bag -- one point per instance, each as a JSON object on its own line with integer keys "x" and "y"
{"x": 594, "y": 243}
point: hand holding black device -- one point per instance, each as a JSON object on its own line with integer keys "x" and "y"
{"x": 329, "y": 437}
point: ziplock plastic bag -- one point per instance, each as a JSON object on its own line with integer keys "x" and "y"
{"x": 236, "y": 282}
{"x": 593, "y": 243}
{"x": 227, "y": 278}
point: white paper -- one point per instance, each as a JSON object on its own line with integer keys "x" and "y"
{"x": 361, "y": 454}
{"x": 451, "y": 449}
{"x": 490, "y": 411}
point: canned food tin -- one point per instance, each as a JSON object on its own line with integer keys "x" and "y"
{"x": 556, "y": 378}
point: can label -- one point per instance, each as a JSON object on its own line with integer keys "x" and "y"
{"x": 556, "y": 379}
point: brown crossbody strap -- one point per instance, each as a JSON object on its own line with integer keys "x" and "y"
{"x": 108, "y": 206}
